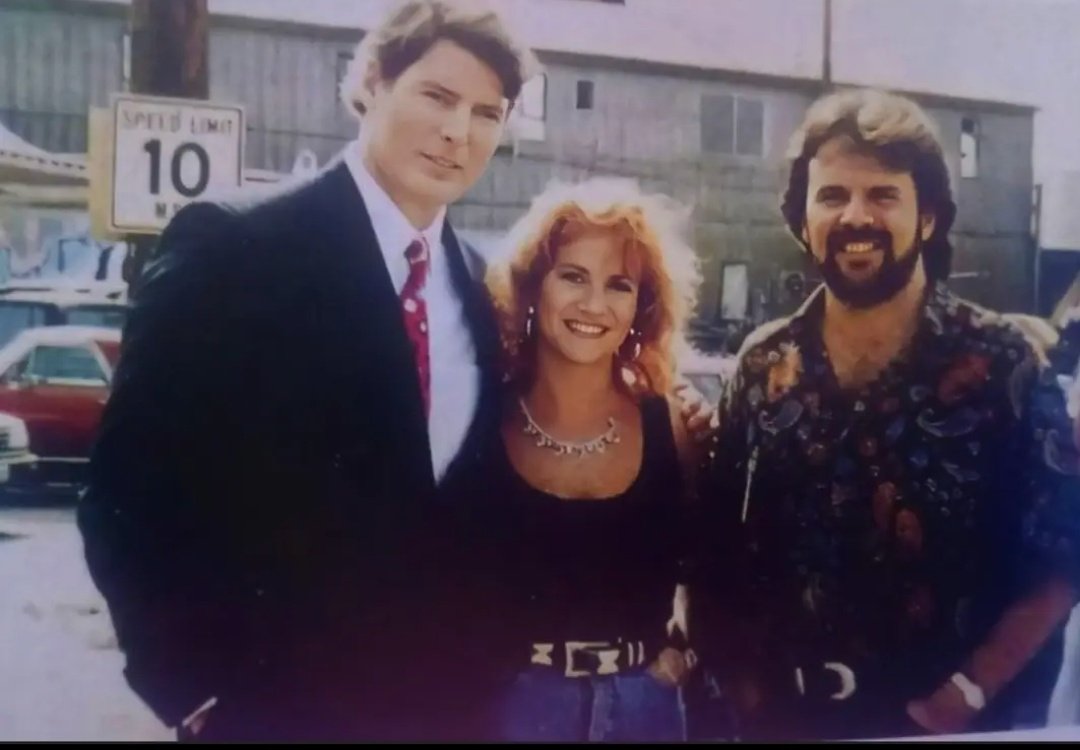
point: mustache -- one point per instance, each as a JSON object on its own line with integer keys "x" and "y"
{"x": 840, "y": 238}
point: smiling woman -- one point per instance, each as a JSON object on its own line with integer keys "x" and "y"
{"x": 571, "y": 228}
{"x": 579, "y": 542}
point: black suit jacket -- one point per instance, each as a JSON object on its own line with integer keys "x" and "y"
{"x": 262, "y": 517}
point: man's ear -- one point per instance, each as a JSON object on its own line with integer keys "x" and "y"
{"x": 927, "y": 222}
{"x": 370, "y": 84}
{"x": 805, "y": 234}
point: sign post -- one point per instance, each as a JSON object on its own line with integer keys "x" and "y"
{"x": 170, "y": 44}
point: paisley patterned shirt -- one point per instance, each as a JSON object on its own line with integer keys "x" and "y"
{"x": 887, "y": 528}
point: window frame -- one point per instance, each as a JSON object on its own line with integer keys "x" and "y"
{"x": 71, "y": 382}
{"x": 732, "y": 148}
{"x": 585, "y": 90}
{"x": 969, "y": 167}
{"x": 734, "y": 264}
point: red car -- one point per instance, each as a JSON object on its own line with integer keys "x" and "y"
{"x": 56, "y": 380}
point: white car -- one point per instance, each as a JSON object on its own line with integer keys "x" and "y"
{"x": 708, "y": 373}
{"x": 24, "y": 305}
{"x": 14, "y": 445}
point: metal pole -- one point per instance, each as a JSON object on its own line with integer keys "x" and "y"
{"x": 826, "y": 62}
{"x": 1036, "y": 221}
{"x": 169, "y": 57}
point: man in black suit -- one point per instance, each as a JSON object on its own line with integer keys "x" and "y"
{"x": 298, "y": 378}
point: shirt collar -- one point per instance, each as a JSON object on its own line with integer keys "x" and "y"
{"x": 938, "y": 305}
{"x": 392, "y": 229}
{"x": 931, "y": 332}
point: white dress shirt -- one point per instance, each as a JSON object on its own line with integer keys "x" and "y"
{"x": 455, "y": 376}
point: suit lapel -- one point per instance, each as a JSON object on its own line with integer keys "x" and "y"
{"x": 386, "y": 396}
{"x": 466, "y": 272}
{"x": 379, "y": 390}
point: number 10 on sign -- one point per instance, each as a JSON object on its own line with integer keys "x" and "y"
{"x": 202, "y": 178}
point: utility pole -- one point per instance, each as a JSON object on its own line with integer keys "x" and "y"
{"x": 169, "y": 57}
{"x": 826, "y": 47}
{"x": 1036, "y": 239}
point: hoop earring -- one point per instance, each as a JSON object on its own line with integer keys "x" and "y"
{"x": 635, "y": 335}
{"x": 529, "y": 316}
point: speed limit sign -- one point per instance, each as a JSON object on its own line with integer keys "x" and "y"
{"x": 167, "y": 153}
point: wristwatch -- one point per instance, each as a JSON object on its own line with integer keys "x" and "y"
{"x": 973, "y": 694}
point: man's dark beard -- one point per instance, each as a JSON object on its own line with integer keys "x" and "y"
{"x": 891, "y": 277}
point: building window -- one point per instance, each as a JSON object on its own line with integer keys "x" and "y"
{"x": 969, "y": 147}
{"x": 526, "y": 122}
{"x": 734, "y": 291}
{"x": 584, "y": 94}
{"x": 732, "y": 125}
{"x": 749, "y": 127}
{"x": 340, "y": 71}
{"x": 718, "y": 124}
{"x": 532, "y": 103}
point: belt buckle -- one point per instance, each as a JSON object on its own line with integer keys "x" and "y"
{"x": 542, "y": 654}
{"x": 605, "y": 651}
{"x": 848, "y": 683}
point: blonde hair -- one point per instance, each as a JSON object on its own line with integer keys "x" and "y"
{"x": 414, "y": 26}
{"x": 651, "y": 228}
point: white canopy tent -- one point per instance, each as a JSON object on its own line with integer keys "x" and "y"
{"x": 25, "y": 164}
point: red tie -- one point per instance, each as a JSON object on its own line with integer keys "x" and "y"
{"x": 414, "y": 310}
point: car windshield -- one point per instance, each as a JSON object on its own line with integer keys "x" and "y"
{"x": 18, "y": 316}
{"x": 66, "y": 363}
{"x": 104, "y": 316}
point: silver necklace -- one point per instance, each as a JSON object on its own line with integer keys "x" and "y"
{"x": 563, "y": 448}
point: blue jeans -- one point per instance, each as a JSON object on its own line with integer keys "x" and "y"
{"x": 543, "y": 705}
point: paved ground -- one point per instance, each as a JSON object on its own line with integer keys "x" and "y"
{"x": 60, "y": 671}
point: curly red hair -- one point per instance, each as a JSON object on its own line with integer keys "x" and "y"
{"x": 650, "y": 228}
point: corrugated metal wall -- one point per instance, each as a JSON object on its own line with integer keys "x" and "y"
{"x": 54, "y": 66}
{"x": 287, "y": 84}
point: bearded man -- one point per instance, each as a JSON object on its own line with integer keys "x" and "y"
{"x": 893, "y": 542}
